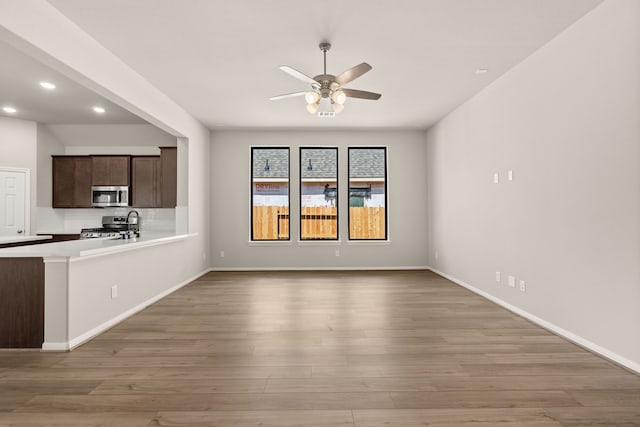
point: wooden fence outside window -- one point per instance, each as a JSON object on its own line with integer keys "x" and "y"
{"x": 317, "y": 223}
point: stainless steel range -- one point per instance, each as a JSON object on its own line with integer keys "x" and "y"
{"x": 120, "y": 227}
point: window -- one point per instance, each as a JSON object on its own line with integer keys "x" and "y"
{"x": 318, "y": 193}
{"x": 367, "y": 193}
{"x": 269, "y": 193}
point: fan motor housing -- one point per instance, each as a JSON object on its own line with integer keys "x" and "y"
{"x": 327, "y": 84}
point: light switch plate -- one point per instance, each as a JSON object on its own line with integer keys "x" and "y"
{"x": 510, "y": 175}
{"x": 498, "y": 277}
{"x": 512, "y": 281}
{"x": 496, "y": 178}
{"x": 523, "y": 286}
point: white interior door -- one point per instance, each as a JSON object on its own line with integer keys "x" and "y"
{"x": 12, "y": 203}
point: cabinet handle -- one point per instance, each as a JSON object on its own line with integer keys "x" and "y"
{"x": 20, "y": 231}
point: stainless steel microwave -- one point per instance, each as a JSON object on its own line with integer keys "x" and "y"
{"x": 108, "y": 196}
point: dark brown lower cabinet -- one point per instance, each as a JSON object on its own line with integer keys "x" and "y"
{"x": 63, "y": 237}
{"x": 21, "y": 302}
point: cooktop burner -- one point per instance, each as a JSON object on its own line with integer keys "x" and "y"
{"x": 96, "y": 233}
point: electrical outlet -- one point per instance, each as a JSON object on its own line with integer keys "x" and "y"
{"x": 498, "y": 277}
{"x": 114, "y": 292}
{"x": 337, "y": 252}
{"x": 512, "y": 281}
{"x": 523, "y": 286}
{"x": 221, "y": 254}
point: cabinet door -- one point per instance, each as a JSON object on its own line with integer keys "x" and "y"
{"x": 110, "y": 170}
{"x": 22, "y": 303}
{"x": 169, "y": 159}
{"x": 145, "y": 182}
{"x": 119, "y": 168}
{"x": 82, "y": 184}
{"x": 63, "y": 181}
{"x": 100, "y": 170}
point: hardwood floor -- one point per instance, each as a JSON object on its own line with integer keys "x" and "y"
{"x": 404, "y": 348}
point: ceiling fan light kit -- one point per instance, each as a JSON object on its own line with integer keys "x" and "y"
{"x": 327, "y": 95}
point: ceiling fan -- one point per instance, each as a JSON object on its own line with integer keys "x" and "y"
{"x": 327, "y": 95}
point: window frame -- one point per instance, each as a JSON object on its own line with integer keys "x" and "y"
{"x": 337, "y": 192}
{"x": 386, "y": 193}
{"x": 251, "y": 186}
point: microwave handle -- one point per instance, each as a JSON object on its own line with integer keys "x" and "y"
{"x": 120, "y": 196}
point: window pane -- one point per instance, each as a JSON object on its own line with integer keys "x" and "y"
{"x": 318, "y": 193}
{"x": 367, "y": 193}
{"x": 270, "y": 194}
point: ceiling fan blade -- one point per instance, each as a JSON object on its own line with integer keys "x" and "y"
{"x": 363, "y": 94}
{"x": 287, "y": 95}
{"x": 298, "y": 75}
{"x": 353, "y": 73}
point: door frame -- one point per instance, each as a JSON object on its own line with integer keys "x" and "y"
{"x": 27, "y": 195}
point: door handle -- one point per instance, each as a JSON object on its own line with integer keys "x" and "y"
{"x": 20, "y": 231}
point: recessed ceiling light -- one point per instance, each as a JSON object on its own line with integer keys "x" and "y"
{"x": 9, "y": 110}
{"x": 99, "y": 110}
{"x": 47, "y": 85}
{"x": 482, "y": 70}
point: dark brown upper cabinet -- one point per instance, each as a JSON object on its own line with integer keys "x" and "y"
{"x": 169, "y": 166}
{"x": 146, "y": 182}
{"x": 154, "y": 179}
{"x": 71, "y": 182}
{"x": 111, "y": 170}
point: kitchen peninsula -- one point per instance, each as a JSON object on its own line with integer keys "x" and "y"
{"x": 56, "y": 296}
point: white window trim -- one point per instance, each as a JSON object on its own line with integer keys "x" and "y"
{"x": 319, "y": 242}
{"x": 269, "y": 242}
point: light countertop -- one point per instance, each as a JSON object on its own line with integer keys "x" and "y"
{"x": 19, "y": 238}
{"x": 90, "y": 247}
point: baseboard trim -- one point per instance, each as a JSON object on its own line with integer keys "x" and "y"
{"x": 81, "y": 339}
{"x": 223, "y": 269}
{"x": 576, "y": 339}
{"x": 55, "y": 346}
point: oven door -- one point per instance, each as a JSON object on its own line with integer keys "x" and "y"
{"x": 104, "y": 196}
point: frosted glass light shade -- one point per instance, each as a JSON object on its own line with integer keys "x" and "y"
{"x": 339, "y": 97}
{"x": 312, "y": 108}
{"x": 312, "y": 97}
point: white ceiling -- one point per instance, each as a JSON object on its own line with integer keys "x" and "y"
{"x": 69, "y": 103}
{"x": 219, "y": 58}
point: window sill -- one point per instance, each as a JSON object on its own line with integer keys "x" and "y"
{"x": 368, "y": 242}
{"x": 269, "y": 243}
{"x": 319, "y": 242}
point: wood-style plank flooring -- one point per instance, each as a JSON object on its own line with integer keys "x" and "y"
{"x": 403, "y": 348}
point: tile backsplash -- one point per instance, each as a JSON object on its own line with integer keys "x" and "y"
{"x": 51, "y": 220}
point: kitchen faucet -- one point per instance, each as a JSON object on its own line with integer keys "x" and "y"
{"x": 137, "y": 223}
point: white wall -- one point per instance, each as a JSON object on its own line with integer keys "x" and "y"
{"x": 231, "y": 201}
{"x": 139, "y": 278}
{"x": 18, "y": 149}
{"x": 567, "y": 122}
{"x": 49, "y": 220}
{"x": 48, "y": 145}
{"x": 144, "y": 138}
